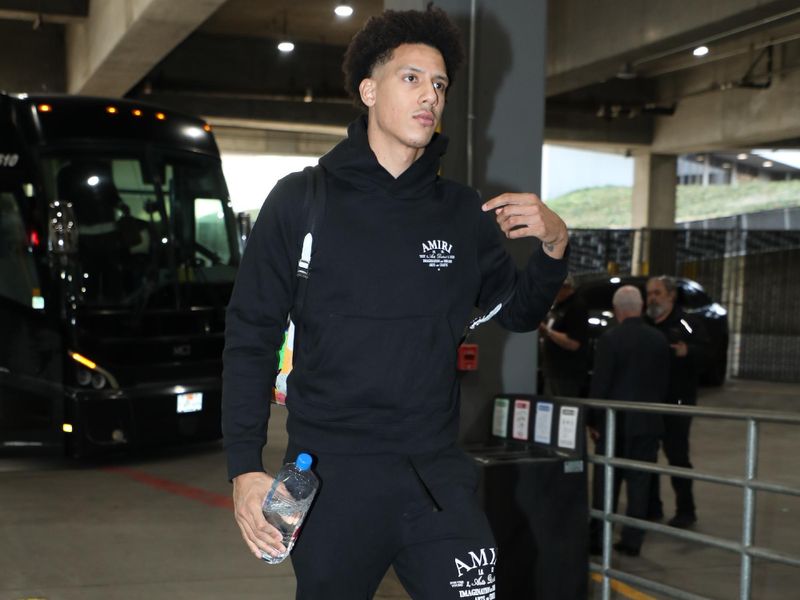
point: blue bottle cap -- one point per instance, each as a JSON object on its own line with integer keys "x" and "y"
{"x": 303, "y": 461}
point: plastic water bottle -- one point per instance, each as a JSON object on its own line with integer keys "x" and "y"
{"x": 288, "y": 501}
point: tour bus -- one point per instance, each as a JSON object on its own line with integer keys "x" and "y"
{"x": 118, "y": 249}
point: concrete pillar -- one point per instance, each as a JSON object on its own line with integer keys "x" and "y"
{"x": 653, "y": 213}
{"x": 508, "y": 97}
{"x": 654, "y": 187}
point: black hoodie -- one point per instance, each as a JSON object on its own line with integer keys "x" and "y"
{"x": 398, "y": 266}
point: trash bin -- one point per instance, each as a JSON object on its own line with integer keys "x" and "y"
{"x": 535, "y": 496}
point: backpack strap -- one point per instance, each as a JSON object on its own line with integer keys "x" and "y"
{"x": 314, "y": 209}
{"x": 315, "y": 201}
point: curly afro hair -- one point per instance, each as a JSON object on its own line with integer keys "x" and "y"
{"x": 375, "y": 43}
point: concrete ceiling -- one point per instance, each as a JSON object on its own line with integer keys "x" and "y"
{"x": 620, "y": 73}
{"x": 625, "y": 71}
{"x": 245, "y": 85}
{"x": 301, "y": 21}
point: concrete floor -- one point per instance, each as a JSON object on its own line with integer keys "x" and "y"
{"x": 159, "y": 526}
{"x": 718, "y": 447}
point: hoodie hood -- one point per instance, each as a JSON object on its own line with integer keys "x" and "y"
{"x": 353, "y": 161}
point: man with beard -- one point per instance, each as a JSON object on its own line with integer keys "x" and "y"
{"x": 689, "y": 343}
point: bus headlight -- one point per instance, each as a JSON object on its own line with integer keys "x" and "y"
{"x": 90, "y": 373}
{"x": 83, "y": 376}
{"x": 98, "y": 380}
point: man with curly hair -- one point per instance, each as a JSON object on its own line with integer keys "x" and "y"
{"x": 400, "y": 259}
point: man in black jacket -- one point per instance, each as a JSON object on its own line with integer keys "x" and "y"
{"x": 565, "y": 360}
{"x": 631, "y": 363}
{"x": 689, "y": 348}
{"x": 399, "y": 259}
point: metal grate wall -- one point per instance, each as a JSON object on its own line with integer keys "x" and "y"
{"x": 601, "y": 251}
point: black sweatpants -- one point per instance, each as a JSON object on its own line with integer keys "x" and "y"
{"x": 419, "y": 514}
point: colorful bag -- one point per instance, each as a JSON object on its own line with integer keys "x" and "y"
{"x": 314, "y": 208}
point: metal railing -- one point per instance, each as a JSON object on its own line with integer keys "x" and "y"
{"x": 749, "y": 483}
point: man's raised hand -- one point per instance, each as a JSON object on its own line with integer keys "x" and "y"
{"x": 525, "y": 215}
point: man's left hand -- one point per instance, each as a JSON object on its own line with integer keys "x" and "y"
{"x": 681, "y": 349}
{"x": 525, "y": 215}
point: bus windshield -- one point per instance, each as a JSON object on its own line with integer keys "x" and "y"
{"x": 146, "y": 224}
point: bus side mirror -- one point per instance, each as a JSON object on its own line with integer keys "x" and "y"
{"x": 63, "y": 238}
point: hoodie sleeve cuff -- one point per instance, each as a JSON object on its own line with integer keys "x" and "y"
{"x": 549, "y": 268}
{"x": 243, "y": 458}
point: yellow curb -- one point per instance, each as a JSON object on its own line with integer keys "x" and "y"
{"x": 623, "y": 589}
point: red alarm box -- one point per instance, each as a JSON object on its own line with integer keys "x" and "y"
{"x": 468, "y": 357}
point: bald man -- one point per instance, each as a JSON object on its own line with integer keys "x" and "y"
{"x": 632, "y": 364}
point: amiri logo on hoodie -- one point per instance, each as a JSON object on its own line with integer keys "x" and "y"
{"x": 437, "y": 254}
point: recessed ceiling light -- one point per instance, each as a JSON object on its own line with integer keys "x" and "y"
{"x": 742, "y": 156}
{"x": 343, "y": 10}
{"x": 286, "y": 46}
{"x": 700, "y": 51}
{"x": 767, "y": 164}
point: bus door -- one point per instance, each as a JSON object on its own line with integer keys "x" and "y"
{"x": 31, "y": 350}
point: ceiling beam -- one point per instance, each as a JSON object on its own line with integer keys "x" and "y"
{"x": 220, "y": 109}
{"x": 564, "y": 126}
{"x": 642, "y": 34}
{"x": 120, "y": 42}
{"x": 734, "y": 118}
{"x": 337, "y": 131}
{"x": 235, "y": 140}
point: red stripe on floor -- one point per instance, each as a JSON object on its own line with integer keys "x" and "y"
{"x": 173, "y": 487}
